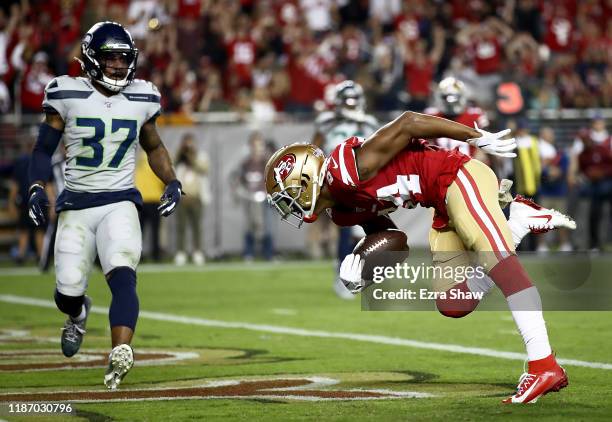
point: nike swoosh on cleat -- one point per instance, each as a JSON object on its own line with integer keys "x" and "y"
{"x": 547, "y": 216}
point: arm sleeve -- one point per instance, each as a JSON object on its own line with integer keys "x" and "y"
{"x": 40, "y": 163}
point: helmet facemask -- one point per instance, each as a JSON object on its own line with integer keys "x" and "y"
{"x": 129, "y": 57}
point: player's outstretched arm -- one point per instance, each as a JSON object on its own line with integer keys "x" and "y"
{"x": 393, "y": 137}
{"x": 161, "y": 164}
{"x": 390, "y": 139}
{"x": 49, "y": 136}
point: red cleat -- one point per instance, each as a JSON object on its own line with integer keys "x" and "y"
{"x": 535, "y": 384}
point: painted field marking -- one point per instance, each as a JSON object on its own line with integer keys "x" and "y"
{"x": 276, "y": 329}
{"x": 214, "y": 266}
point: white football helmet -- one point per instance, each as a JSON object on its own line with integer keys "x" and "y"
{"x": 452, "y": 96}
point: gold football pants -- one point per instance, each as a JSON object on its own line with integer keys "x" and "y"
{"x": 476, "y": 224}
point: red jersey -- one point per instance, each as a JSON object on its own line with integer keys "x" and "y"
{"x": 469, "y": 116}
{"x": 419, "y": 174}
{"x": 487, "y": 55}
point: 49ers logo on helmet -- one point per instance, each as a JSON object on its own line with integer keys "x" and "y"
{"x": 285, "y": 165}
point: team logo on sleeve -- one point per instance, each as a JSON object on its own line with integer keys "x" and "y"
{"x": 284, "y": 166}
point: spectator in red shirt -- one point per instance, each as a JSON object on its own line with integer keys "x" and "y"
{"x": 484, "y": 42}
{"x": 420, "y": 67}
{"x": 35, "y": 78}
{"x": 595, "y": 162}
{"x": 559, "y": 32}
{"x": 241, "y": 52}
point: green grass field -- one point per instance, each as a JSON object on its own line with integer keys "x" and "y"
{"x": 249, "y": 329}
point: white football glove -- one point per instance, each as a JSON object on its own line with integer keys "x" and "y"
{"x": 492, "y": 143}
{"x": 350, "y": 273}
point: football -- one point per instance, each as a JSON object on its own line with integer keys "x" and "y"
{"x": 384, "y": 248}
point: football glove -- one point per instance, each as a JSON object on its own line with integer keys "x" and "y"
{"x": 492, "y": 143}
{"x": 350, "y": 273}
{"x": 38, "y": 204}
{"x": 170, "y": 199}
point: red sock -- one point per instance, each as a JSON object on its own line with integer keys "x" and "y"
{"x": 541, "y": 365}
{"x": 510, "y": 276}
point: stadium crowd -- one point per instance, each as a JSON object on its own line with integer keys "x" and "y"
{"x": 284, "y": 55}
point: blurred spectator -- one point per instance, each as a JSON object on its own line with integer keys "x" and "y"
{"x": 597, "y": 133}
{"x": 527, "y": 169}
{"x": 35, "y": 78}
{"x": 484, "y": 43}
{"x": 420, "y": 67}
{"x": 191, "y": 169}
{"x": 151, "y": 189}
{"x": 527, "y": 165}
{"x": 318, "y": 14}
{"x": 8, "y": 24}
{"x": 557, "y": 54}
{"x": 251, "y": 191}
{"x": 262, "y": 107}
{"x": 553, "y": 191}
{"x": 5, "y": 98}
{"x": 145, "y": 15}
{"x": 18, "y": 206}
{"x": 595, "y": 162}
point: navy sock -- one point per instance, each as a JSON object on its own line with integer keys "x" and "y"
{"x": 71, "y": 305}
{"x": 124, "y": 306}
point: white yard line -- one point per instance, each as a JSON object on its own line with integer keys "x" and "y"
{"x": 368, "y": 338}
{"x": 164, "y": 268}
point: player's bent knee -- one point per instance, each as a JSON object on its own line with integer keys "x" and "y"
{"x": 70, "y": 281}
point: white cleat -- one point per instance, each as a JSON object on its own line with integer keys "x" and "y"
{"x": 198, "y": 258}
{"x": 120, "y": 361}
{"x": 180, "y": 258}
{"x": 527, "y": 216}
{"x": 341, "y": 291}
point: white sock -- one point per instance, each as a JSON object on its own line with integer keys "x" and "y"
{"x": 480, "y": 284}
{"x": 82, "y": 315}
{"x": 526, "y": 307}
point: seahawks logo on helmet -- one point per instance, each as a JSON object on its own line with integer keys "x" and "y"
{"x": 109, "y": 41}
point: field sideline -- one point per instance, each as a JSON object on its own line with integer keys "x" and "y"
{"x": 273, "y": 342}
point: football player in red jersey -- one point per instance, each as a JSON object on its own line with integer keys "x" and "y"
{"x": 362, "y": 181}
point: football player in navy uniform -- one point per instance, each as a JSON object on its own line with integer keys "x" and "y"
{"x": 98, "y": 118}
{"x": 347, "y": 119}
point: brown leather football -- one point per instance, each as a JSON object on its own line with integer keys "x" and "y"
{"x": 384, "y": 248}
{"x": 386, "y": 240}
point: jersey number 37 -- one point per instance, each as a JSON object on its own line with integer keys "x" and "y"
{"x": 94, "y": 142}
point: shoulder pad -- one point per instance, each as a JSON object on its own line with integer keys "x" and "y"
{"x": 475, "y": 110}
{"x": 325, "y": 117}
{"x": 142, "y": 86}
{"x": 142, "y": 91}
{"x": 68, "y": 83}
